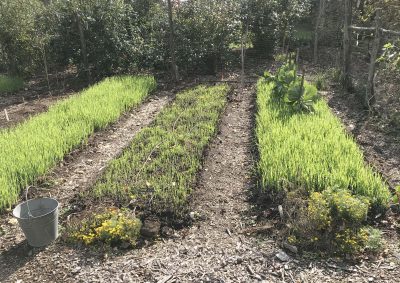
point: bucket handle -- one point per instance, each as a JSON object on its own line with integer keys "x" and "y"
{"x": 27, "y": 202}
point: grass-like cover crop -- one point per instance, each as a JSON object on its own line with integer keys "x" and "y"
{"x": 306, "y": 155}
{"x": 33, "y": 147}
{"x": 158, "y": 170}
{"x": 10, "y": 84}
{"x": 311, "y": 151}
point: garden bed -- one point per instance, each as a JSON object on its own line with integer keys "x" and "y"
{"x": 155, "y": 175}
{"x": 33, "y": 147}
{"x": 158, "y": 171}
{"x": 310, "y": 160}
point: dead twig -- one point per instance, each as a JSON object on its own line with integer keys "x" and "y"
{"x": 165, "y": 279}
{"x": 339, "y": 267}
{"x": 257, "y": 230}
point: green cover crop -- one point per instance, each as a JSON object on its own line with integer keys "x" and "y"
{"x": 306, "y": 156}
{"x": 159, "y": 169}
{"x": 310, "y": 150}
{"x": 33, "y": 147}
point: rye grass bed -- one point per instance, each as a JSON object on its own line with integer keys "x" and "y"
{"x": 33, "y": 147}
{"x": 157, "y": 172}
{"x": 309, "y": 156}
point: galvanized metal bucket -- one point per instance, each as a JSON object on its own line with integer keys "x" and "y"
{"x": 38, "y": 219}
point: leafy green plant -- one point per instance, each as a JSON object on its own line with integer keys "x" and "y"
{"x": 33, "y": 147}
{"x": 391, "y": 55}
{"x": 301, "y": 96}
{"x": 289, "y": 88}
{"x": 10, "y": 84}
{"x": 112, "y": 227}
{"x": 157, "y": 172}
{"x": 284, "y": 77}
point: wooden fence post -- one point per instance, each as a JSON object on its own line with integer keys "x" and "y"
{"x": 370, "y": 95}
{"x": 346, "y": 79}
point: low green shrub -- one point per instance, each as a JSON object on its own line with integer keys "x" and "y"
{"x": 350, "y": 241}
{"x": 30, "y": 149}
{"x": 334, "y": 74}
{"x": 10, "y": 84}
{"x": 157, "y": 172}
{"x": 374, "y": 242}
{"x": 319, "y": 211}
{"x": 321, "y": 81}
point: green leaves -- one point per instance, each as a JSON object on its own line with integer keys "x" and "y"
{"x": 391, "y": 55}
{"x": 287, "y": 87}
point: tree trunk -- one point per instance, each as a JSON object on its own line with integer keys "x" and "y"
{"x": 346, "y": 80}
{"x": 45, "y": 67}
{"x": 83, "y": 48}
{"x": 174, "y": 67}
{"x": 370, "y": 96}
{"x": 321, "y": 11}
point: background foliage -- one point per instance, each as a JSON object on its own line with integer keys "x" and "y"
{"x": 131, "y": 35}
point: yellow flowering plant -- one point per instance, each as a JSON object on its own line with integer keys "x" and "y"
{"x": 112, "y": 227}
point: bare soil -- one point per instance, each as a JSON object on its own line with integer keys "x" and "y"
{"x": 20, "y": 112}
{"x": 35, "y": 97}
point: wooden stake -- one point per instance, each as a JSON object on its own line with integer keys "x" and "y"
{"x": 7, "y": 118}
{"x": 302, "y": 81}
